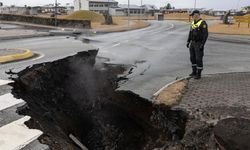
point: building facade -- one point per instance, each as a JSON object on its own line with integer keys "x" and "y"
{"x": 123, "y": 10}
{"x": 99, "y": 6}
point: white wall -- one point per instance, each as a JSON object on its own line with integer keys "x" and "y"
{"x": 81, "y": 5}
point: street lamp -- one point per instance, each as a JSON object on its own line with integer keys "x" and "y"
{"x": 56, "y": 13}
{"x": 141, "y": 10}
{"x": 128, "y": 13}
{"x": 108, "y": 8}
{"x": 238, "y": 3}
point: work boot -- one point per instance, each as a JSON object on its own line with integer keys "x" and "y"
{"x": 194, "y": 72}
{"x": 198, "y": 75}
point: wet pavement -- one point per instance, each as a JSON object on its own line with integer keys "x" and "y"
{"x": 158, "y": 54}
{"x": 161, "y": 49}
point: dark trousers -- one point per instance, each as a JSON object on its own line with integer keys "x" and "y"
{"x": 196, "y": 55}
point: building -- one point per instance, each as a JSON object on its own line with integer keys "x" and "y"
{"x": 20, "y": 10}
{"x": 50, "y": 9}
{"x": 122, "y": 10}
{"x": 217, "y": 13}
{"x": 99, "y": 6}
{"x": 150, "y": 9}
{"x": 47, "y": 9}
{"x": 182, "y": 10}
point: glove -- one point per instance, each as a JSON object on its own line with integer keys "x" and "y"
{"x": 188, "y": 44}
{"x": 201, "y": 47}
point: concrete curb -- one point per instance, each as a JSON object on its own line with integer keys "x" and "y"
{"x": 229, "y": 39}
{"x": 169, "y": 84}
{"x": 123, "y": 30}
{"x": 73, "y": 30}
{"x": 24, "y": 36}
{"x": 15, "y": 57}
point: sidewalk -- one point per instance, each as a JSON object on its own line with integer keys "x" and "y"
{"x": 209, "y": 102}
{"x": 218, "y": 95}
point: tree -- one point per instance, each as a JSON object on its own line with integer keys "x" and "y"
{"x": 247, "y": 7}
{"x": 168, "y": 6}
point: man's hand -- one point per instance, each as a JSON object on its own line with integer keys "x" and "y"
{"x": 188, "y": 44}
{"x": 201, "y": 47}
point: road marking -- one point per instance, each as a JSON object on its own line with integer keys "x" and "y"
{"x": 40, "y": 56}
{"x": 16, "y": 135}
{"x": 4, "y": 82}
{"x": 8, "y": 100}
{"x": 116, "y": 45}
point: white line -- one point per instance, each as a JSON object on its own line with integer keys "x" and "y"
{"x": 8, "y": 100}
{"x": 40, "y": 56}
{"x": 116, "y": 45}
{"x": 4, "y": 82}
{"x": 16, "y": 135}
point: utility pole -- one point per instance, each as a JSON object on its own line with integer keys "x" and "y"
{"x": 128, "y": 13}
{"x": 238, "y": 3}
{"x": 108, "y": 8}
{"x": 141, "y": 10}
{"x": 56, "y": 13}
{"x": 194, "y": 4}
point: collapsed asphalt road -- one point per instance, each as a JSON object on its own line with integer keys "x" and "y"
{"x": 75, "y": 100}
{"x": 76, "y": 96}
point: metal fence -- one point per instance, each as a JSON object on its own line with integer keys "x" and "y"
{"x": 242, "y": 19}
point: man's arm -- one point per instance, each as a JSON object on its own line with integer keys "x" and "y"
{"x": 189, "y": 36}
{"x": 204, "y": 29}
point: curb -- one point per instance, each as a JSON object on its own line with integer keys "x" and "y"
{"x": 24, "y": 36}
{"x": 122, "y": 30}
{"x": 230, "y": 40}
{"x": 9, "y": 58}
{"x": 169, "y": 84}
{"x": 72, "y": 30}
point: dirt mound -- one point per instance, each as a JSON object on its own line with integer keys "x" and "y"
{"x": 73, "y": 96}
{"x": 85, "y": 15}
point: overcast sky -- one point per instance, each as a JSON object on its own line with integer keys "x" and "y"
{"x": 215, "y": 4}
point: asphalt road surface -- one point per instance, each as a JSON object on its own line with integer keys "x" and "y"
{"x": 157, "y": 53}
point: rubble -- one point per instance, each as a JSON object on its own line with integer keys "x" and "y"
{"x": 233, "y": 134}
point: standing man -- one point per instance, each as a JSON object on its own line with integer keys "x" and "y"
{"x": 196, "y": 41}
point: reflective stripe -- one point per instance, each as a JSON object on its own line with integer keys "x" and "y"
{"x": 200, "y": 68}
{"x": 196, "y": 25}
{"x": 194, "y": 65}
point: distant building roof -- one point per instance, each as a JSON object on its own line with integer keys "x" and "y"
{"x": 105, "y": 1}
{"x": 130, "y": 6}
{"x": 150, "y": 7}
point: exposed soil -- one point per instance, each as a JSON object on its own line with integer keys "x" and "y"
{"x": 172, "y": 94}
{"x": 74, "y": 96}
